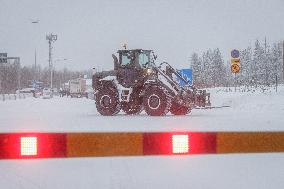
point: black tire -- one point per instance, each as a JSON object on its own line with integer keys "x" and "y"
{"x": 107, "y": 101}
{"x": 135, "y": 104}
{"x": 156, "y": 101}
{"x": 177, "y": 109}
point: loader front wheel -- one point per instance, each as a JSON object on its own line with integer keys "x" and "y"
{"x": 107, "y": 101}
{"x": 177, "y": 109}
{"x": 156, "y": 101}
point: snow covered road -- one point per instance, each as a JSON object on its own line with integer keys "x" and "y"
{"x": 248, "y": 112}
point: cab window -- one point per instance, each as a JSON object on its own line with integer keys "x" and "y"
{"x": 143, "y": 59}
{"x": 125, "y": 60}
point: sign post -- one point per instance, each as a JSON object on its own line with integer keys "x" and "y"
{"x": 235, "y": 63}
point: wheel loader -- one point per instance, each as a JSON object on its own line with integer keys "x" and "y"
{"x": 138, "y": 83}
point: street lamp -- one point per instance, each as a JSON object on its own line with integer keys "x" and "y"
{"x": 35, "y": 22}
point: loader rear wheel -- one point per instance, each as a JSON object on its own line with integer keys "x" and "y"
{"x": 156, "y": 101}
{"x": 107, "y": 101}
{"x": 134, "y": 106}
{"x": 177, "y": 109}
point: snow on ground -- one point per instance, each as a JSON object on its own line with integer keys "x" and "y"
{"x": 248, "y": 112}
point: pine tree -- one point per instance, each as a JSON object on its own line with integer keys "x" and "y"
{"x": 196, "y": 67}
{"x": 258, "y": 64}
{"x": 218, "y": 69}
{"x": 246, "y": 67}
{"x": 276, "y": 61}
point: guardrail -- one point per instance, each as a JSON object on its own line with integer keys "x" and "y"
{"x": 4, "y": 97}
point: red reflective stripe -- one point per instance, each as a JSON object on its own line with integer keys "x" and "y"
{"x": 8, "y": 146}
{"x": 161, "y": 143}
{"x": 202, "y": 143}
{"x": 49, "y": 145}
{"x": 52, "y": 145}
{"x": 157, "y": 143}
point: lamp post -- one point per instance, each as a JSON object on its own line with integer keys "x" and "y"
{"x": 35, "y": 22}
{"x": 51, "y": 39}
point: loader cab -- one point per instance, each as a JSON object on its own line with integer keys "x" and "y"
{"x": 130, "y": 66}
{"x": 136, "y": 58}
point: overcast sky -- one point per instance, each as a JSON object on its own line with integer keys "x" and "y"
{"x": 89, "y": 31}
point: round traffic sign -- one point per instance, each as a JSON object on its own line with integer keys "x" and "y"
{"x": 235, "y": 68}
{"x": 235, "y": 53}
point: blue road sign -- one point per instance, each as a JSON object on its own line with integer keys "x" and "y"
{"x": 235, "y": 53}
{"x": 187, "y": 75}
{"x": 36, "y": 84}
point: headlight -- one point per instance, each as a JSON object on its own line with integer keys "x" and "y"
{"x": 149, "y": 71}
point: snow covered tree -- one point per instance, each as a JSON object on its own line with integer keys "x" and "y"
{"x": 13, "y": 76}
{"x": 218, "y": 69}
{"x": 258, "y": 65}
{"x": 209, "y": 71}
{"x": 276, "y": 62}
{"x": 246, "y": 75}
{"x": 196, "y": 66}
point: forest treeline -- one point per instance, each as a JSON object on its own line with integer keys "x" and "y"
{"x": 13, "y": 76}
{"x": 261, "y": 65}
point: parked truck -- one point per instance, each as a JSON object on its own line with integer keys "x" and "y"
{"x": 77, "y": 88}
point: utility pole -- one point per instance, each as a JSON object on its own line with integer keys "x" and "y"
{"x": 51, "y": 38}
{"x": 283, "y": 59}
{"x": 35, "y": 76}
